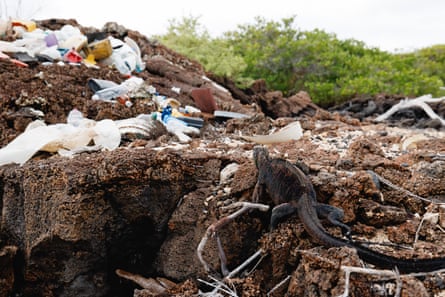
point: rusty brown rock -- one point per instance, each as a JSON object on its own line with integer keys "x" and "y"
{"x": 376, "y": 214}
{"x": 204, "y": 100}
{"x": 74, "y": 222}
{"x": 275, "y": 105}
{"x": 7, "y": 273}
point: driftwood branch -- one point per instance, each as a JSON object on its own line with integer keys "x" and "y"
{"x": 213, "y": 229}
{"x": 219, "y": 287}
{"x": 417, "y": 102}
{"x": 397, "y": 188}
{"x": 280, "y": 284}
{"x": 388, "y": 274}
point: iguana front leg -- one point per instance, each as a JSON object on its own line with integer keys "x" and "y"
{"x": 258, "y": 192}
{"x": 334, "y": 215}
{"x": 279, "y": 212}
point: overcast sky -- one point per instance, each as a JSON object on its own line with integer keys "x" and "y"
{"x": 388, "y": 24}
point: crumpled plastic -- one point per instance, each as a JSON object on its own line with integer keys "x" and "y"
{"x": 75, "y": 134}
{"x": 176, "y": 126}
{"x": 125, "y": 56}
{"x": 292, "y": 131}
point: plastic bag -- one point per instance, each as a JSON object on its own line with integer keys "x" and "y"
{"x": 75, "y": 134}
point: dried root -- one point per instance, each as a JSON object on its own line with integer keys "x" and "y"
{"x": 417, "y": 102}
{"x": 387, "y": 274}
{"x": 212, "y": 231}
{"x": 155, "y": 286}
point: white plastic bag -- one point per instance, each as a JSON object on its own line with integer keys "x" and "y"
{"x": 75, "y": 134}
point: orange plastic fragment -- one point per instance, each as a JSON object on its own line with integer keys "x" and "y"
{"x": 28, "y": 25}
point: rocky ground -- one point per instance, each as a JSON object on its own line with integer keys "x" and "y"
{"x": 128, "y": 222}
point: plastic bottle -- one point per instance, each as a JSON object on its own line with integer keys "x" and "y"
{"x": 122, "y": 57}
{"x": 109, "y": 94}
{"x": 140, "y": 66}
{"x": 170, "y": 120}
{"x": 113, "y": 92}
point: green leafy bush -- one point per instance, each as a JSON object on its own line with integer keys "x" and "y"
{"x": 290, "y": 60}
{"x": 189, "y": 38}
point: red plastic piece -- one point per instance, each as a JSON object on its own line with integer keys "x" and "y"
{"x": 73, "y": 57}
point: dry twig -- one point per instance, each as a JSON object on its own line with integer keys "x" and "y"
{"x": 213, "y": 229}
{"x": 388, "y": 274}
{"x": 397, "y": 188}
{"x": 218, "y": 286}
{"x": 277, "y": 286}
{"x": 417, "y": 102}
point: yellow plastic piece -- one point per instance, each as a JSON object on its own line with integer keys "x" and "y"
{"x": 28, "y": 25}
{"x": 101, "y": 49}
{"x": 176, "y": 113}
{"x": 90, "y": 60}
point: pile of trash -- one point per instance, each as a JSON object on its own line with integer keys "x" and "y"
{"x": 33, "y": 46}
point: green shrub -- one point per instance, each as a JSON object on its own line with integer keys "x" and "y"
{"x": 290, "y": 60}
{"x": 190, "y": 39}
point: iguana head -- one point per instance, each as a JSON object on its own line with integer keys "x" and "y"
{"x": 260, "y": 155}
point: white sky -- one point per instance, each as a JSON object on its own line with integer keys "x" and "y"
{"x": 387, "y": 24}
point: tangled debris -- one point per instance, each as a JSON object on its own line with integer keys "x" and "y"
{"x": 128, "y": 221}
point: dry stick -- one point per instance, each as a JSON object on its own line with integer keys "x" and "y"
{"x": 256, "y": 265}
{"x": 244, "y": 264}
{"x": 213, "y": 228}
{"x": 439, "y": 157}
{"x": 419, "y": 102}
{"x": 425, "y": 216}
{"x": 222, "y": 255}
{"x": 351, "y": 269}
{"x": 386, "y": 273}
{"x": 399, "y": 284}
{"x": 277, "y": 286}
{"x": 318, "y": 257}
{"x": 218, "y": 286}
{"x": 390, "y": 184}
{"x": 147, "y": 283}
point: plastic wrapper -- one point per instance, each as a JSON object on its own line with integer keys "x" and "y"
{"x": 292, "y": 131}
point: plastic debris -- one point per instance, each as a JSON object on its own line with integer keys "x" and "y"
{"x": 177, "y": 90}
{"x": 176, "y": 126}
{"x": 72, "y": 57}
{"x": 125, "y": 58}
{"x": 75, "y": 136}
{"x": 411, "y": 141}
{"x": 140, "y": 66}
{"x": 228, "y": 172}
{"x": 3, "y": 27}
{"x": 28, "y": 25}
{"x": 141, "y": 127}
{"x": 70, "y": 37}
{"x": 100, "y": 49}
{"x": 192, "y": 121}
{"x": 229, "y": 115}
{"x": 15, "y": 61}
{"x": 76, "y": 133}
{"x": 111, "y": 92}
{"x": 51, "y": 40}
{"x": 100, "y": 84}
{"x": 69, "y": 44}
{"x": 89, "y": 61}
{"x": 292, "y": 131}
{"x": 25, "y": 58}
